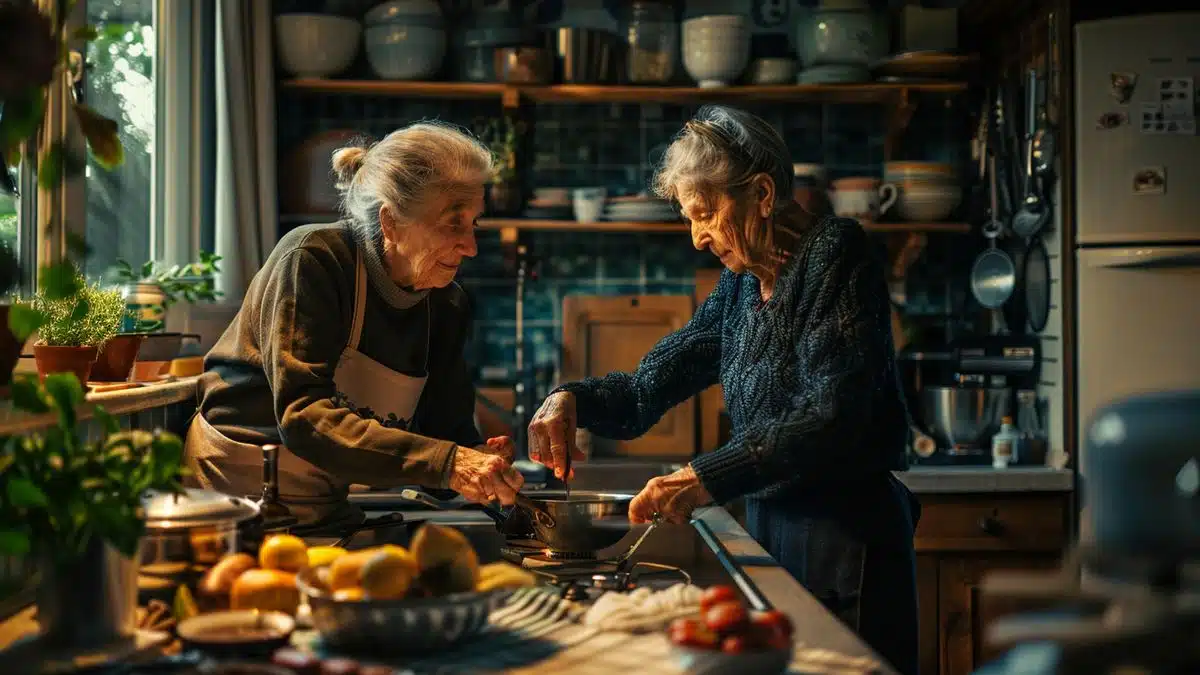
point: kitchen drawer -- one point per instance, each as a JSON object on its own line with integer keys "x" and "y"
{"x": 992, "y": 522}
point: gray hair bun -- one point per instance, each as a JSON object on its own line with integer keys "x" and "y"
{"x": 346, "y": 163}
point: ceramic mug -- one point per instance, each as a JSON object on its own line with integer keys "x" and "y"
{"x": 588, "y": 203}
{"x": 862, "y": 198}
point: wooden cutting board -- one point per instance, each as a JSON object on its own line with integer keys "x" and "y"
{"x": 602, "y": 334}
{"x": 712, "y": 400}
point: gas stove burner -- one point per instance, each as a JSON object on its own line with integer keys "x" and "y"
{"x": 537, "y": 551}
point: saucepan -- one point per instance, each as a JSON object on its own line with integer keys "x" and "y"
{"x": 587, "y": 522}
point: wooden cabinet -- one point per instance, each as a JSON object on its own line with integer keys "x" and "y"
{"x": 603, "y": 334}
{"x": 960, "y": 539}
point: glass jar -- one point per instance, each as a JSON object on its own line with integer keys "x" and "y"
{"x": 653, "y": 37}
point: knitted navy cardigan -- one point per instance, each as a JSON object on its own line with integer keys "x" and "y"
{"x": 810, "y": 377}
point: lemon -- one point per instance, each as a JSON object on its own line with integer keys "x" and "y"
{"x": 319, "y": 556}
{"x": 352, "y": 594}
{"x": 284, "y": 552}
{"x": 388, "y": 574}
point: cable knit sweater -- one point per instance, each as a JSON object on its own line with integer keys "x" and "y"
{"x": 809, "y": 376}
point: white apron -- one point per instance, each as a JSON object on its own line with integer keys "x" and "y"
{"x": 363, "y": 385}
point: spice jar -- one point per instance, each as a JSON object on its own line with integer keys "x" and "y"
{"x": 653, "y": 37}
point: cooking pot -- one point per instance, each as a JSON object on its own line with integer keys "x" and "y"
{"x": 586, "y": 522}
{"x": 188, "y": 532}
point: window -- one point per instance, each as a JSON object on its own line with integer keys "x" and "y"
{"x": 8, "y": 220}
{"x": 119, "y": 84}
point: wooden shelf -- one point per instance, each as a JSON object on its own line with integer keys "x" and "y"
{"x": 872, "y": 92}
{"x": 607, "y": 226}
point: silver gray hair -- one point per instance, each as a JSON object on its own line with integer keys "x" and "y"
{"x": 404, "y": 169}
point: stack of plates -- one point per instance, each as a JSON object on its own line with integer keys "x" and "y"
{"x": 640, "y": 210}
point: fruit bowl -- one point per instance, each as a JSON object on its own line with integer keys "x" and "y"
{"x": 713, "y": 662}
{"x": 411, "y": 625}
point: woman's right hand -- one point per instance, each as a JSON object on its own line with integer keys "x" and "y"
{"x": 482, "y": 477}
{"x": 552, "y": 433}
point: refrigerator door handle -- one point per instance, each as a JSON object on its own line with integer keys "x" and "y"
{"x": 1145, "y": 257}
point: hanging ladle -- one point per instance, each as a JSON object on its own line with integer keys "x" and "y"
{"x": 1045, "y": 141}
{"x": 1033, "y": 213}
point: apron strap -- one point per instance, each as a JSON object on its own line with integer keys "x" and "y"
{"x": 360, "y": 300}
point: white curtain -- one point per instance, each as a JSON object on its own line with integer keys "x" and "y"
{"x": 245, "y": 191}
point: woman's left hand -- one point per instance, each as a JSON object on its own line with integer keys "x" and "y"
{"x": 672, "y": 497}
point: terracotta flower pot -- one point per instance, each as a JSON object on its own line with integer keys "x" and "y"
{"x": 10, "y": 349}
{"x": 77, "y": 360}
{"x": 116, "y": 358}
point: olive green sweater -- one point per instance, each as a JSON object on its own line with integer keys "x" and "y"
{"x": 269, "y": 379}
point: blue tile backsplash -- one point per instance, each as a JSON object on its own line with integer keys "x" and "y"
{"x": 615, "y": 145}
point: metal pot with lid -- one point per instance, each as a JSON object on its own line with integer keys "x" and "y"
{"x": 188, "y": 532}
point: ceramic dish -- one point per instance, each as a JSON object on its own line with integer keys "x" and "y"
{"x": 237, "y": 632}
{"x": 713, "y": 662}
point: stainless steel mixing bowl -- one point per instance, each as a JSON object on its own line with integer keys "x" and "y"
{"x": 962, "y": 417}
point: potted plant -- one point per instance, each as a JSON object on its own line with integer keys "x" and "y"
{"x": 503, "y": 136}
{"x": 75, "y": 327}
{"x": 74, "y": 506}
{"x": 150, "y": 291}
{"x": 11, "y": 343}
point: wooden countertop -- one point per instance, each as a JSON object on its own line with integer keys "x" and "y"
{"x": 121, "y": 402}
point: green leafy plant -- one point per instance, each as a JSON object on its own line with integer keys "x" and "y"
{"x": 502, "y": 136}
{"x": 86, "y": 319}
{"x": 192, "y": 282}
{"x": 61, "y": 490}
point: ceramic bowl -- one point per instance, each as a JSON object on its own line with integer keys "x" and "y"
{"x": 237, "y": 632}
{"x": 422, "y": 12}
{"x": 716, "y": 49}
{"x": 930, "y": 172}
{"x": 316, "y": 45}
{"x": 772, "y": 71}
{"x": 712, "y": 662}
{"x": 399, "y": 51}
{"x": 926, "y": 203}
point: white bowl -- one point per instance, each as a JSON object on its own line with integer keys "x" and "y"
{"x": 403, "y": 52}
{"x": 927, "y": 203}
{"x": 716, "y": 49}
{"x": 316, "y": 45}
{"x": 401, "y": 10}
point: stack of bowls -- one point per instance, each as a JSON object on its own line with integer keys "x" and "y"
{"x": 316, "y": 45}
{"x": 716, "y": 49}
{"x": 928, "y": 191}
{"x": 405, "y": 39}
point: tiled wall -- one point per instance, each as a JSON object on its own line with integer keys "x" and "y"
{"x": 615, "y": 146}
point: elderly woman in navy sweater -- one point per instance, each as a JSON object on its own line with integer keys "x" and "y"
{"x": 798, "y": 333}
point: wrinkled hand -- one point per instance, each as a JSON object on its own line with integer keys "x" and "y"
{"x": 552, "y": 433}
{"x": 483, "y": 477}
{"x": 673, "y": 497}
{"x": 500, "y": 446}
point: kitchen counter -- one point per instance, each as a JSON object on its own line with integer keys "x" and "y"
{"x": 961, "y": 479}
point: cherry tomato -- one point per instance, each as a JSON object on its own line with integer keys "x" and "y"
{"x": 726, "y": 618}
{"x": 716, "y": 595}
{"x": 692, "y": 633}
{"x": 774, "y": 619}
{"x": 735, "y": 644}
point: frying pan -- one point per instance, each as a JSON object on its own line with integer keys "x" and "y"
{"x": 993, "y": 277}
{"x": 586, "y": 523}
{"x": 1036, "y": 282}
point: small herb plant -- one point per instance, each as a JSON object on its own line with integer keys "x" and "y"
{"x": 86, "y": 319}
{"x": 61, "y": 490}
{"x": 192, "y": 282}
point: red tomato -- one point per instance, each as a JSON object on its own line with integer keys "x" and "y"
{"x": 726, "y": 618}
{"x": 692, "y": 633}
{"x": 735, "y": 644}
{"x": 775, "y": 619}
{"x": 716, "y": 595}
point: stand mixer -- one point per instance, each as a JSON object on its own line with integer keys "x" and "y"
{"x": 1130, "y": 591}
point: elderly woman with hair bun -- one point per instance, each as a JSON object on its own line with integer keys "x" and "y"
{"x": 348, "y": 348}
{"x": 798, "y": 333}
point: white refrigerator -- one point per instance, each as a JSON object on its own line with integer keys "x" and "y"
{"x": 1137, "y": 164}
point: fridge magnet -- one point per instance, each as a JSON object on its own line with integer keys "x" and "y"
{"x": 1175, "y": 90}
{"x": 1111, "y": 120}
{"x": 1121, "y": 86}
{"x": 1151, "y": 180}
{"x": 1152, "y": 120}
